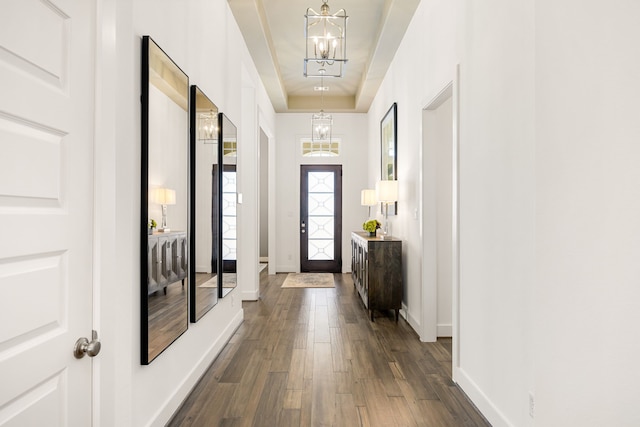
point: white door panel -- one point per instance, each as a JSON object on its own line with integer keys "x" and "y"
{"x": 46, "y": 210}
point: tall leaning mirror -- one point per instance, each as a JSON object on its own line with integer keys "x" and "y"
{"x": 228, "y": 151}
{"x": 204, "y": 205}
{"x": 164, "y": 204}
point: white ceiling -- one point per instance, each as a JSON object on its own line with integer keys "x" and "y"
{"x": 274, "y": 33}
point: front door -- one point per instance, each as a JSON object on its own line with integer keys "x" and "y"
{"x": 321, "y": 218}
{"x": 46, "y": 210}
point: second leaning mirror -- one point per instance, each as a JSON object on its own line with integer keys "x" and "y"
{"x": 205, "y": 204}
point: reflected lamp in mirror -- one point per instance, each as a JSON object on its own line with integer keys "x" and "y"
{"x": 368, "y": 198}
{"x": 164, "y": 197}
{"x": 387, "y": 192}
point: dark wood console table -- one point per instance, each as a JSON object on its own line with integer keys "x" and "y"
{"x": 376, "y": 268}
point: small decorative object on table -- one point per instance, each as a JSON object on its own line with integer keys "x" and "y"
{"x": 152, "y": 224}
{"x": 371, "y": 226}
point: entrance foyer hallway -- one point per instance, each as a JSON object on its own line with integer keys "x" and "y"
{"x": 311, "y": 357}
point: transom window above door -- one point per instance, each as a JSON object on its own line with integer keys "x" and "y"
{"x": 320, "y": 148}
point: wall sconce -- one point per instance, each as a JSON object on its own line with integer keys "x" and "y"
{"x": 368, "y": 198}
{"x": 164, "y": 197}
{"x": 387, "y": 192}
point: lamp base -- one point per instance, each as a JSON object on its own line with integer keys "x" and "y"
{"x": 164, "y": 230}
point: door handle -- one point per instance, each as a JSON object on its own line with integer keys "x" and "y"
{"x": 303, "y": 227}
{"x": 83, "y": 346}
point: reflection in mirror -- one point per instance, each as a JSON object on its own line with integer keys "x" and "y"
{"x": 164, "y": 201}
{"x": 204, "y": 205}
{"x": 228, "y": 151}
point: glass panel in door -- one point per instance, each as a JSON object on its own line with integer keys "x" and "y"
{"x": 321, "y": 218}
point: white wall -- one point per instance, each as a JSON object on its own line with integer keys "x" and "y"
{"x": 203, "y": 39}
{"x": 587, "y": 209}
{"x": 497, "y": 201}
{"x": 352, "y": 129}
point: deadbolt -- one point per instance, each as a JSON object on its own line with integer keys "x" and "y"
{"x": 83, "y": 346}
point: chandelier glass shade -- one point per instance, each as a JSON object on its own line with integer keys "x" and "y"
{"x": 326, "y": 42}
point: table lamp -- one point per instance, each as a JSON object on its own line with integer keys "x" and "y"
{"x": 368, "y": 198}
{"x": 387, "y": 192}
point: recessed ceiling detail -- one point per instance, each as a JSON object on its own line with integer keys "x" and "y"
{"x": 275, "y": 35}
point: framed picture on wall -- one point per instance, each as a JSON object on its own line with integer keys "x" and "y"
{"x": 389, "y": 149}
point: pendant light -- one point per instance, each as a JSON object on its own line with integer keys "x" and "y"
{"x": 321, "y": 123}
{"x": 326, "y": 42}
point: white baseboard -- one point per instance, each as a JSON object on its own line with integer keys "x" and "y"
{"x": 251, "y": 295}
{"x": 286, "y": 269}
{"x": 482, "y": 402}
{"x": 412, "y": 321}
{"x": 203, "y": 268}
{"x": 445, "y": 330}
{"x": 192, "y": 378}
{"x": 263, "y": 259}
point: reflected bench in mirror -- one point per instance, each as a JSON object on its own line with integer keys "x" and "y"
{"x": 166, "y": 260}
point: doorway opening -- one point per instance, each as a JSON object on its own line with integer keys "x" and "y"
{"x": 440, "y": 218}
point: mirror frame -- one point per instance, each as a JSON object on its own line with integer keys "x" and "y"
{"x": 147, "y": 45}
{"x": 388, "y": 142}
{"x": 221, "y": 129}
{"x": 195, "y": 94}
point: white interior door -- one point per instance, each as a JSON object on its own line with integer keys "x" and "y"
{"x": 46, "y": 210}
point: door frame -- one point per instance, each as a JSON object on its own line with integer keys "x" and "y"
{"x": 115, "y": 241}
{"x": 335, "y": 265}
{"x": 429, "y": 262}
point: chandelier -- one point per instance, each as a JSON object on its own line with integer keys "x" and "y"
{"x": 321, "y": 123}
{"x": 326, "y": 42}
{"x": 208, "y": 127}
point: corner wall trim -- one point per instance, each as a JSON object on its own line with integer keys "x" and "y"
{"x": 251, "y": 295}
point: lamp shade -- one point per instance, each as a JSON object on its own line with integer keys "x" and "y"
{"x": 163, "y": 196}
{"x": 387, "y": 191}
{"x": 368, "y": 197}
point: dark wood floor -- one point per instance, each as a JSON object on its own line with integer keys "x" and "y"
{"x": 311, "y": 357}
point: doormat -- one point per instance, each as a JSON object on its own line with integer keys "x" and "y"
{"x": 309, "y": 280}
{"x": 228, "y": 281}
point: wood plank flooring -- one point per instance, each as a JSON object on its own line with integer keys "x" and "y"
{"x": 311, "y": 357}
